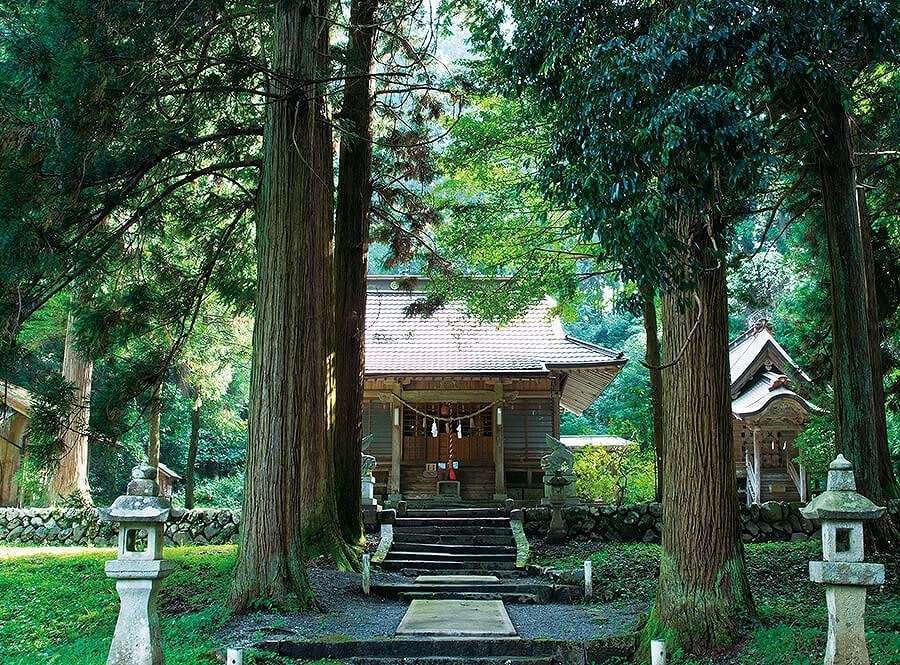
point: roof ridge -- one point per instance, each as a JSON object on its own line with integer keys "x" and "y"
{"x": 752, "y": 331}
{"x": 598, "y": 347}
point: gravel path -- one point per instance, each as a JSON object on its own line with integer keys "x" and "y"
{"x": 573, "y": 622}
{"x": 346, "y": 613}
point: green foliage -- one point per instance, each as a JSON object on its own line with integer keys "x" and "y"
{"x": 225, "y": 492}
{"x": 816, "y": 447}
{"x": 52, "y": 413}
{"x": 617, "y": 476}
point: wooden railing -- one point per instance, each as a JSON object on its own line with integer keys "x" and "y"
{"x": 799, "y": 479}
{"x": 753, "y": 481}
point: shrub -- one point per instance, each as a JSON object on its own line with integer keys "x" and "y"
{"x": 618, "y": 476}
{"x": 224, "y": 492}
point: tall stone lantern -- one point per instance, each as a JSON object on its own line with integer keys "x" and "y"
{"x": 138, "y": 569}
{"x": 842, "y": 511}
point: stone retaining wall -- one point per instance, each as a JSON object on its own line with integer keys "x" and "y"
{"x": 770, "y": 521}
{"x": 77, "y": 526}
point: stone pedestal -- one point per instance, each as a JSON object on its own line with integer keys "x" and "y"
{"x": 368, "y": 490}
{"x": 846, "y": 628}
{"x": 137, "y": 640}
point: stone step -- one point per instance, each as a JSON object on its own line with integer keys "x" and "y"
{"x": 454, "y": 660}
{"x": 506, "y": 597}
{"x": 454, "y": 539}
{"x": 423, "y": 567}
{"x": 427, "y": 555}
{"x": 453, "y": 531}
{"x": 432, "y": 651}
{"x": 512, "y": 591}
{"x": 456, "y": 512}
{"x": 445, "y": 522}
{"x": 420, "y": 569}
{"x": 454, "y": 548}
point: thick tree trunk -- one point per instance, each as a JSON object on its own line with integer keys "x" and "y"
{"x": 287, "y": 383}
{"x": 351, "y": 264}
{"x": 888, "y": 481}
{"x": 193, "y": 445}
{"x": 70, "y": 479}
{"x": 155, "y": 413}
{"x": 854, "y": 381}
{"x": 703, "y": 592}
{"x": 321, "y": 532}
{"x": 652, "y": 359}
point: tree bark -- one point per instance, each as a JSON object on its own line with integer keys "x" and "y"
{"x": 888, "y": 481}
{"x": 854, "y": 381}
{"x": 703, "y": 592}
{"x": 153, "y": 427}
{"x": 193, "y": 446}
{"x": 652, "y": 358}
{"x": 351, "y": 264}
{"x": 70, "y": 479}
{"x": 287, "y": 384}
{"x": 321, "y": 532}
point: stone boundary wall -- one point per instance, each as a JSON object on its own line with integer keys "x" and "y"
{"x": 770, "y": 521}
{"x": 80, "y": 526}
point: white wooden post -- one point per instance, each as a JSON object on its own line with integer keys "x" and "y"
{"x": 234, "y": 657}
{"x": 658, "y": 652}
{"x": 588, "y": 579}
{"x": 366, "y": 573}
{"x": 804, "y": 492}
{"x": 757, "y": 466}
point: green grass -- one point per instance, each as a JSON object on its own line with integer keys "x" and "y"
{"x": 60, "y": 608}
{"x": 792, "y": 614}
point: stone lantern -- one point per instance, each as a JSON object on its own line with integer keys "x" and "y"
{"x": 841, "y": 511}
{"x": 138, "y": 568}
{"x": 557, "y": 487}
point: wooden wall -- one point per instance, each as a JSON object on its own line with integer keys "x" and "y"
{"x": 527, "y": 420}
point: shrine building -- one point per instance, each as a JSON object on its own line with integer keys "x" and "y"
{"x": 449, "y": 386}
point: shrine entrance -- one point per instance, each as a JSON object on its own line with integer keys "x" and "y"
{"x": 438, "y": 435}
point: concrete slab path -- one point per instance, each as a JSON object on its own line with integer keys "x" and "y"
{"x": 456, "y": 618}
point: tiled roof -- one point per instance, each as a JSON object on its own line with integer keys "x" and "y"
{"x": 451, "y": 342}
{"x": 758, "y": 367}
{"x": 758, "y": 394}
{"x": 747, "y": 347}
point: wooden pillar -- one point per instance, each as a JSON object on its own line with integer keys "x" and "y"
{"x": 804, "y": 492}
{"x": 757, "y": 465}
{"x": 499, "y": 462}
{"x": 556, "y": 411}
{"x": 394, "y": 491}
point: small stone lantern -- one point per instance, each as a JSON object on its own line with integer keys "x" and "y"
{"x": 557, "y": 486}
{"x": 138, "y": 569}
{"x": 841, "y": 511}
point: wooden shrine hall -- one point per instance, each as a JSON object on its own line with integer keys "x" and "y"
{"x": 768, "y": 415}
{"x": 452, "y": 387}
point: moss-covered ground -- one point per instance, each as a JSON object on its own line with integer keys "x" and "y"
{"x": 792, "y": 616}
{"x": 57, "y": 607}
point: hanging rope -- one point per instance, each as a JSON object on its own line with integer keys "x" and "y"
{"x": 391, "y": 398}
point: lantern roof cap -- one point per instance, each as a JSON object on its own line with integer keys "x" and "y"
{"x": 841, "y": 501}
{"x": 142, "y": 502}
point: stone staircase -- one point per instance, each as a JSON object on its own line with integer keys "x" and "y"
{"x": 459, "y": 541}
